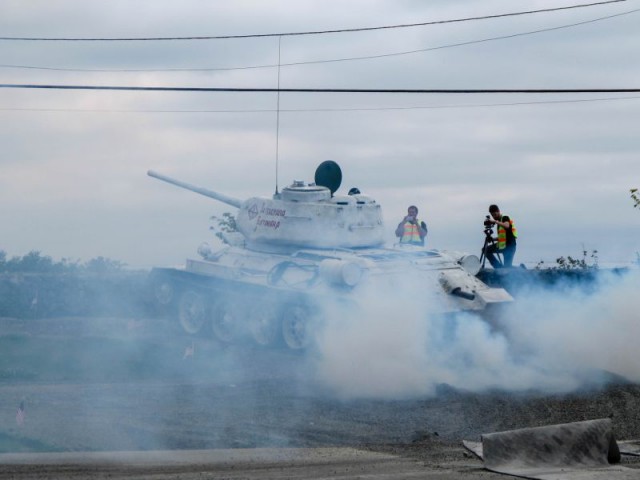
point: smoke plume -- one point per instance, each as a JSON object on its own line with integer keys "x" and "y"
{"x": 393, "y": 343}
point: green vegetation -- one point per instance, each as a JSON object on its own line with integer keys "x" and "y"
{"x": 224, "y": 224}
{"x": 17, "y": 443}
{"x": 570, "y": 263}
{"x": 35, "y": 262}
{"x": 35, "y": 286}
{"x": 78, "y": 357}
{"x": 635, "y": 196}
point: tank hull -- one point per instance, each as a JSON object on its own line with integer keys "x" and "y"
{"x": 273, "y": 298}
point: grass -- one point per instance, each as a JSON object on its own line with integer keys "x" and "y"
{"x": 24, "y": 358}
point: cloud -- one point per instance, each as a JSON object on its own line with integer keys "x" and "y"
{"x": 571, "y": 158}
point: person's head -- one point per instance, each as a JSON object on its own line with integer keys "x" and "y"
{"x": 412, "y": 211}
{"x": 354, "y": 191}
{"x": 494, "y": 210}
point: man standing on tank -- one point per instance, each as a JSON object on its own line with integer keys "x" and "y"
{"x": 411, "y": 231}
{"x": 505, "y": 242}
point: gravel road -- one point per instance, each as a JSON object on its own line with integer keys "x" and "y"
{"x": 175, "y": 407}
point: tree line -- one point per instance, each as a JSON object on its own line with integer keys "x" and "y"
{"x": 36, "y": 262}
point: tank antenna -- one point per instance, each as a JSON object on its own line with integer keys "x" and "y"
{"x": 278, "y": 114}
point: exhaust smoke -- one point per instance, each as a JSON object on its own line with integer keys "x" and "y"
{"x": 393, "y": 343}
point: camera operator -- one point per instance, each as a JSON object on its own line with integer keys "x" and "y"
{"x": 411, "y": 231}
{"x": 506, "y": 239}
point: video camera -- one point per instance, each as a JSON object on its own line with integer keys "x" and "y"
{"x": 488, "y": 226}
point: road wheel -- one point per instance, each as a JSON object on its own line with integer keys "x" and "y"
{"x": 163, "y": 292}
{"x": 224, "y": 322}
{"x": 192, "y": 312}
{"x": 263, "y": 324}
{"x": 296, "y": 326}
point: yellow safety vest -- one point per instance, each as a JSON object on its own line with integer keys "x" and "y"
{"x": 502, "y": 232}
{"x": 411, "y": 233}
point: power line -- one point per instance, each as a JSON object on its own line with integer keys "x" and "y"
{"x": 470, "y": 42}
{"x": 317, "y": 32}
{"x": 321, "y": 90}
{"x": 304, "y": 110}
{"x": 334, "y": 60}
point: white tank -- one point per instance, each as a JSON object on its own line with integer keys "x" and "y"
{"x": 296, "y": 249}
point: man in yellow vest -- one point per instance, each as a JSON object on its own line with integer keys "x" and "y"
{"x": 505, "y": 242}
{"x": 411, "y": 231}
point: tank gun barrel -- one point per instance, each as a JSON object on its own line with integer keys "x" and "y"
{"x": 234, "y": 202}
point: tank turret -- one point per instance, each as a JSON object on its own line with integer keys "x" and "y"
{"x": 303, "y": 215}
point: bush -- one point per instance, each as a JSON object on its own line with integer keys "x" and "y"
{"x": 570, "y": 263}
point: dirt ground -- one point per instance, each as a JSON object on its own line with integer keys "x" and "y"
{"x": 175, "y": 407}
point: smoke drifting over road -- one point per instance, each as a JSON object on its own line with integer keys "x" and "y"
{"x": 118, "y": 383}
{"x": 393, "y": 345}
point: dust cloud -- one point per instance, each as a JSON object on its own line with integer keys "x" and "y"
{"x": 394, "y": 344}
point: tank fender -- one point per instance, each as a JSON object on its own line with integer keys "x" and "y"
{"x": 454, "y": 284}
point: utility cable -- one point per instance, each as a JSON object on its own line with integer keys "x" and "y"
{"x": 317, "y": 32}
{"x": 322, "y": 90}
{"x": 305, "y": 110}
{"x": 311, "y": 62}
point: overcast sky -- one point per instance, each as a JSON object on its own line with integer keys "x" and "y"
{"x": 73, "y": 166}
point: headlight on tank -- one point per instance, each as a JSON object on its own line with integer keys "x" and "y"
{"x": 470, "y": 263}
{"x": 340, "y": 272}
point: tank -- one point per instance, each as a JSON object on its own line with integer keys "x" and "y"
{"x": 295, "y": 252}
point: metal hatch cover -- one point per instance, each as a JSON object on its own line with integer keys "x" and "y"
{"x": 328, "y": 174}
